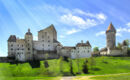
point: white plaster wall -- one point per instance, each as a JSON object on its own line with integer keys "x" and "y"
{"x": 115, "y": 52}
{"x": 81, "y": 52}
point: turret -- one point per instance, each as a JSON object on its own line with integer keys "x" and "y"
{"x": 11, "y": 46}
{"x": 29, "y": 45}
{"x": 111, "y": 36}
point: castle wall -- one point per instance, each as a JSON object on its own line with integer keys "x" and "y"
{"x": 115, "y": 52}
{"x": 12, "y": 46}
{"x": 81, "y": 52}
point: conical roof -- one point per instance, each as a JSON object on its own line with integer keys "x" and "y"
{"x": 111, "y": 28}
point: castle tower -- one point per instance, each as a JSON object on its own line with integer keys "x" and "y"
{"x": 111, "y": 36}
{"x": 29, "y": 45}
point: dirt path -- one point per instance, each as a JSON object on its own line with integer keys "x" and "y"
{"x": 87, "y": 77}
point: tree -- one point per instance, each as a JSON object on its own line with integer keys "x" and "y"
{"x": 71, "y": 67}
{"x": 46, "y": 62}
{"x": 77, "y": 60}
{"x": 92, "y": 62}
{"x": 85, "y": 66}
{"x": 127, "y": 42}
{"x": 61, "y": 64}
{"x": 95, "y": 49}
{"x": 119, "y": 45}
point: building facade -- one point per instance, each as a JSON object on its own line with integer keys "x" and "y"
{"x": 47, "y": 46}
{"x": 111, "y": 49}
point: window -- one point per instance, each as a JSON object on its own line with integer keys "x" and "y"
{"x": 22, "y": 45}
{"x": 11, "y": 49}
{"x": 11, "y": 45}
{"x": 48, "y": 37}
{"x": 42, "y": 36}
{"x": 28, "y": 48}
{"x": 48, "y": 40}
{"x": 18, "y": 49}
{"x": 48, "y": 45}
{"x": 43, "y": 45}
{"x": 18, "y": 45}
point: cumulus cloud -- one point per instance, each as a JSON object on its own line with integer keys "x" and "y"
{"x": 82, "y": 20}
{"x": 72, "y": 31}
{"x": 128, "y": 24}
{"x": 62, "y": 36}
{"x": 100, "y": 16}
{"x": 119, "y": 32}
{"x": 75, "y": 18}
{"x": 100, "y": 33}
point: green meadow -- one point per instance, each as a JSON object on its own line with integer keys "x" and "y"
{"x": 58, "y": 68}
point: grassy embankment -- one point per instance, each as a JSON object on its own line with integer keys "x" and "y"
{"x": 102, "y": 65}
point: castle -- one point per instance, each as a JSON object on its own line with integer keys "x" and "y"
{"x": 111, "y": 49}
{"x": 47, "y": 46}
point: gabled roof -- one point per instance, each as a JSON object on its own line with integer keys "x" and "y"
{"x": 103, "y": 49}
{"x": 49, "y": 27}
{"x": 12, "y": 38}
{"x": 83, "y": 44}
{"x": 111, "y": 28}
{"x": 68, "y": 47}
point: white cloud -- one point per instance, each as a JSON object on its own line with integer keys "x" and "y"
{"x": 62, "y": 36}
{"x": 35, "y": 38}
{"x": 119, "y": 32}
{"x": 77, "y": 21}
{"x": 100, "y": 33}
{"x": 72, "y": 31}
{"x": 72, "y": 20}
{"x": 99, "y": 16}
{"x": 128, "y": 24}
{"x": 82, "y": 20}
{"x": 76, "y": 18}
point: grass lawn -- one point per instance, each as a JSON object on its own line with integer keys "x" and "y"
{"x": 29, "y": 78}
{"x": 101, "y": 66}
{"x": 113, "y": 77}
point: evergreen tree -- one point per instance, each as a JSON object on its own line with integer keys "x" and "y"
{"x": 71, "y": 67}
{"x": 85, "y": 67}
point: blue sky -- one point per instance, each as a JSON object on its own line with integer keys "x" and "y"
{"x": 74, "y": 20}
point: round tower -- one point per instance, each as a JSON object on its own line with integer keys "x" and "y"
{"x": 29, "y": 45}
{"x": 111, "y": 36}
